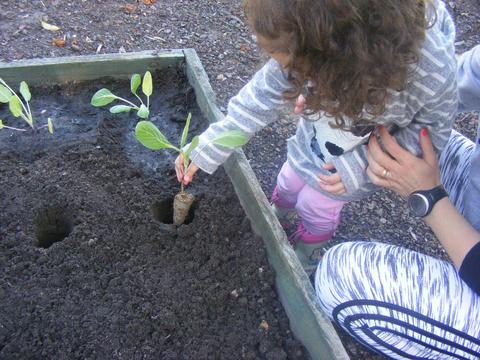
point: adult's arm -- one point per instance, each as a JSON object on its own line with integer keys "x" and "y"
{"x": 468, "y": 78}
{"x": 468, "y": 75}
{"x": 408, "y": 173}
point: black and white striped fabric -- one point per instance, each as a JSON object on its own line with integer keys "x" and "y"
{"x": 455, "y": 163}
{"x": 398, "y": 302}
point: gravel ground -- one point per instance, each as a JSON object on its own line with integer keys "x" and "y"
{"x": 218, "y": 31}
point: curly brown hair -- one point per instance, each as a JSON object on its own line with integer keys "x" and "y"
{"x": 349, "y": 51}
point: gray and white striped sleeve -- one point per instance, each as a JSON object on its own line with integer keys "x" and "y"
{"x": 256, "y": 105}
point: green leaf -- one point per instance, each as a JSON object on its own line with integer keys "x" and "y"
{"x": 193, "y": 144}
{"x": 25, "y": 91}
{"x": 143, "y": 112}
{"x": 135, "y": 82}
{"x": 231, "y": 139}
{"x": 150, "y": 137}
{"x": 50, "y": 125}
{"x": 15, "y": 106}
{"x": 120, "y": 109}
{"x": 185, "y": 131}
{"x": 5, "y": 94}
{"x": 1, "y": 124}
{"x": 102, "y": 97}
{"x": 147, "y": 86}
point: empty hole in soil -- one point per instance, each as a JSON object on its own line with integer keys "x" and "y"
{"x": 53, "y": 224}
{"x": 163, "y": 211}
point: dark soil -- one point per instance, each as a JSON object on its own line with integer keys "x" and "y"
{"x": 218, "y": 32}
{"x": 92, "y": 267}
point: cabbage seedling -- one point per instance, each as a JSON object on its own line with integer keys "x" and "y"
{"x": 104, "y": 97}
{"x": 150, "y": 137}
{"x": 18, "y": 107}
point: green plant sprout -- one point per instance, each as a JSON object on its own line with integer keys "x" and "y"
{"x": 18, "y": 107}
{"x": 104, "y": 97}
{"x": 151, "y": 137}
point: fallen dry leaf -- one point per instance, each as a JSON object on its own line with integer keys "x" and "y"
{"x": 129, "y": 8}
{"x": 50, "y": 27}
{"x": 149, "y": 2}
{"x": 244, "y": 48}
{"x": 58, "y": 42}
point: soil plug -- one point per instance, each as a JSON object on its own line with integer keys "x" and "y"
{"x": 150, "y": 137}
{"x": 182, "y": 202}
{"x": 18, "y": 107}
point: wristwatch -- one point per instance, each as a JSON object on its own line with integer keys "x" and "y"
{"x": 421, "y": 202}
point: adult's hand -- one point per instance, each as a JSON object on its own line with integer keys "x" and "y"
{"x": 399, "y": 170}
{"x": 179, "y": 169}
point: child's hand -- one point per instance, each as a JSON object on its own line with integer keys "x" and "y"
{"x": 331, "y": 183}
{"x": 299, "y": 105}
{"x": 179, "y": 167}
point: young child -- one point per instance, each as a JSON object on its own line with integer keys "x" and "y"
{"x": 358, "y": 63}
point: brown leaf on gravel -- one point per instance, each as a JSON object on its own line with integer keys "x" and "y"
{"x": 58, "y": 42}
{"x": 149, "y": 2}
{"x": 244, "y": 48}
{"x": 129, "y": 8}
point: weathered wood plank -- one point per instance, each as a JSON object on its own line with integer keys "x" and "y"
{"x": 88, "y": 67}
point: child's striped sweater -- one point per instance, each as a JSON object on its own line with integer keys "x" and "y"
{"x": 429, "y": 101}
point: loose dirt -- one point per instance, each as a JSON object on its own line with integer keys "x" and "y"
{"x": 92, "y": 267}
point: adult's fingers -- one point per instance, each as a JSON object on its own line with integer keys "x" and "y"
{"x": 391, "y": 146}
{"x": 375, "y": 167}
{"x": 379, "y": 156}
{"x": 378, "y": 180}
{"x": 429, "y": 154}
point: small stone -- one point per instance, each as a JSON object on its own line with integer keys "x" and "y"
{"x": 264, "y": 325}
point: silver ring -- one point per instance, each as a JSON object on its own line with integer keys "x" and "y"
{"x": 385, "y": 173}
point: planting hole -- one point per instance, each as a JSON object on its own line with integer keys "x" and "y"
{"x": 163, "y": 211}
{"x": 53, "y": 224}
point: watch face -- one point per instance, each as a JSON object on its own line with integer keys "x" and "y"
{"x": 418, "y": 203}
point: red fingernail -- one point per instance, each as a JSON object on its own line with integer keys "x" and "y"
{"x": 381, "y": 127}
{"x": 424, "y": 132}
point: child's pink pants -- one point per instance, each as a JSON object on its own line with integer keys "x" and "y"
{"x": 320, "y": 214}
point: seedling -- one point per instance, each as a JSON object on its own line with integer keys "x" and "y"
{"x": 104, "y": 97}
{"x": 18, "y": 107}
{"x": 150, "y": 137}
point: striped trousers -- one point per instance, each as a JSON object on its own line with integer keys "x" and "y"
{"x": 398, "y": 302}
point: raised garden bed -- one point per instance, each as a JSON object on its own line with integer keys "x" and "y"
{"x": 93, "y": 267}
